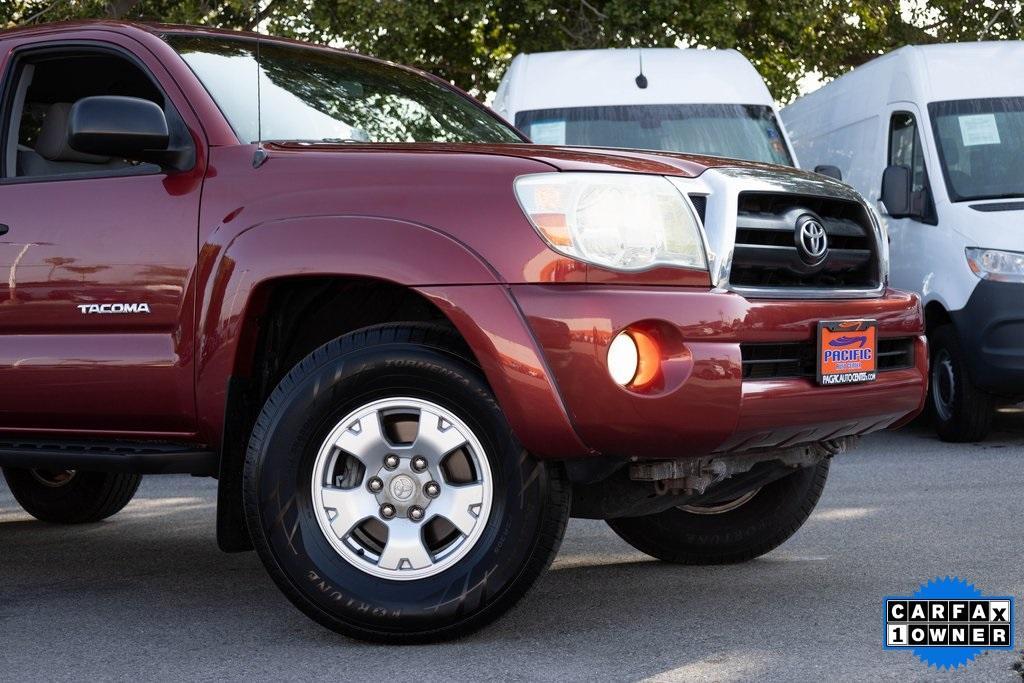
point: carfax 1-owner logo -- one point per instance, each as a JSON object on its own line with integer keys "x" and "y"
{"x": 947, "y": 622}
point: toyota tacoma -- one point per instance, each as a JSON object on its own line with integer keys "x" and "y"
{"x": 408, "y": 343}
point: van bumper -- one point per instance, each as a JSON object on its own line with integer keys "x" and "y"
{"x": 991, "y": 331}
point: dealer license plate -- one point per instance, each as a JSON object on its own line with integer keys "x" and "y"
{"x": 847, "y": 351}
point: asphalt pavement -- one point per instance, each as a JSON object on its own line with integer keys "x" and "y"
{"x": 147, "y": 595}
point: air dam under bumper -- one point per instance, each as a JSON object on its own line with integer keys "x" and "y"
{"x": 701, "y": 404}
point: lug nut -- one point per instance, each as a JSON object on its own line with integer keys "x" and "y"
{"x": 432, "y": 489}
{"x": 391, "y": 462}
{"x": 375, "y": 485}
{"x": 419, "y": 463}
{"x": 415, "y": 513}
{"x": 387, "y": 511}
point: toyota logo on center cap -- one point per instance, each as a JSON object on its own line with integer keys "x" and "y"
{"x": 811, "y": 240}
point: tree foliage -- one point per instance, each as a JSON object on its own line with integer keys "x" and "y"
{"x": 470, "y": 42}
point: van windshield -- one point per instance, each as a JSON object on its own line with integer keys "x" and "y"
{"x": 981, "y": 146}
{"x": 739, "y": 131}
{"x": 330, "y": 96}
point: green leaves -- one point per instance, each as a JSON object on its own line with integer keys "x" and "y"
{"x": 471, "y": 42}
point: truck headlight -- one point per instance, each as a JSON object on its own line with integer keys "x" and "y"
{"x": 993, "y": 264}
{"x": 620, "y": 221}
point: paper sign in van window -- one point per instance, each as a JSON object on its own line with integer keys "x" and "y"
{"x": 979, "y": 129}
{"x": 548, "y": 132}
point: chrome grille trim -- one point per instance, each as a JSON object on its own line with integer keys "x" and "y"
{"x": 722, "y": 187}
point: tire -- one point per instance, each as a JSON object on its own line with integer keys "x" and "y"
{"x": 755, "y": 527}
{"x": 960, "y": 411}
{"x": 70, "y": 496}
{"x": 341, "y": 579}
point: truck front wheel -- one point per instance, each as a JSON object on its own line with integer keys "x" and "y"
{"x": 71, "y": 496}
{"x": 961, "y": 412}
{"x": 387, "y": 495}
{"x": 735, "y": 531}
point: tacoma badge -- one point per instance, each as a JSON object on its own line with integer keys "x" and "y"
{"x": 86, "y": 309}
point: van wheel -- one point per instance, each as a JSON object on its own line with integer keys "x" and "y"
{"x": 961, "y": 412}
{"x": 387, "y": 496}
{"x": 71, "y": 496}
{"x": 731, "y": 532}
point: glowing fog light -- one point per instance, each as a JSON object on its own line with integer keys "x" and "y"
{"x": 623, "y": 359}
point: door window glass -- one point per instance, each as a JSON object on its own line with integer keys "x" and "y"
{"x": 905, "y": 148}
{"x": 48, "y": 85}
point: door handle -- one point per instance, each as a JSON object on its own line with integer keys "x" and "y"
{"x": 4, "y": 228}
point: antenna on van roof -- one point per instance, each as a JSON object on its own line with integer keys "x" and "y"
{"x": 261, "y": 154}
{"x": 641, "y": 80}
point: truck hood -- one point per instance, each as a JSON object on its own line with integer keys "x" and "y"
{"x": 563, "y": 158}
{"x": 987, "y": 229}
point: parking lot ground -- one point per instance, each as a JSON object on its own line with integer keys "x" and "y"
{"x": 147, "y": 595}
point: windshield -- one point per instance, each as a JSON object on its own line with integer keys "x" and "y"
{"x": 739, "y": 131}
{"x": 324, "y": 95}
{"x": 981, "y": 146}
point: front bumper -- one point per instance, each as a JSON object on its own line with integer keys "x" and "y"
{"x": 991, "y": 331}
{"x": 708, "y": 407}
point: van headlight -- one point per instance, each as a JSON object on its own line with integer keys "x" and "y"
{"x": 993, "y": 264}
{"x": 620, "y": 221}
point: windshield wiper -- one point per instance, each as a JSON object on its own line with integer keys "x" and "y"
{"x": 341, "y": 140}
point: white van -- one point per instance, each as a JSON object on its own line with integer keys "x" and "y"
{"x": 681, "y": 100}
{"x": 934, "y": 136}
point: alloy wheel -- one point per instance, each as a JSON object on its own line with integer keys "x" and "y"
{"x": 402, "y": 488}
{"x": 720, "y": 508}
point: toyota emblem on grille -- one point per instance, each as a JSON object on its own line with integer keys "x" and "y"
{"x": 811, "y": 239}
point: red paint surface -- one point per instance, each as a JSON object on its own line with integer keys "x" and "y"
{"x": 706, "y": 406}
{"x": 203, "y": 247}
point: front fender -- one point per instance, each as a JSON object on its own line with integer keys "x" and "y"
{"x": 445, "y": 270}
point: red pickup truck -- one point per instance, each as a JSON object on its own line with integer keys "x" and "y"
{"x": 408, "y": 343}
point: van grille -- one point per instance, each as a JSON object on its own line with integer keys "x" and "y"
{"x": 776, "y": 361}
{"x": 767, "y": 252}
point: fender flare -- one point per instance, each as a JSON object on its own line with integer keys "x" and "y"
{"x": 366, "y": 246}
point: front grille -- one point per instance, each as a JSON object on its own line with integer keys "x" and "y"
{"x": 767, "y": 255}
{"x": 700, "y": 205}
{"x": 777, "y": 361}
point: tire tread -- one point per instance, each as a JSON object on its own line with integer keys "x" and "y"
{"x": 974, "y": 409}
{"x": 95, "y": 496}
{"x": 742, "y": 544}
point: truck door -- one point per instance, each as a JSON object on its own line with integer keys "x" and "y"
{"x": 97, "y": 254}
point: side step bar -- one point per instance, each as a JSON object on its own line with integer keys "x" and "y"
{"x": 108, "y": 456}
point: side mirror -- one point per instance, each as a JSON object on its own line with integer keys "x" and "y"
{"x": 829, "y": 171}
{"x": 121, "y": 127}
{"x": 896, "y": 191}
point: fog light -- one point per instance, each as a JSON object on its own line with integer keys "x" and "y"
{"x": 649, "y": 363}
{"x": 623, "y": 358}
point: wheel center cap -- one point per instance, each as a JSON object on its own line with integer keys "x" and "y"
{"x": 402, "y": 487}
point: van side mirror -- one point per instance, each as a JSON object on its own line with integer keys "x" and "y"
{"x": 896, "y": 191}
{"x": 120, "y": 127}
{"x": 829, "y": 171}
